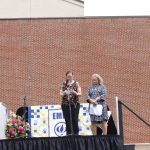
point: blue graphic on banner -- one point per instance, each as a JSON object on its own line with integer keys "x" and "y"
{"x": 60, "y": 129}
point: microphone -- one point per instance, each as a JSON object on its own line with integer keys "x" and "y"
{"x": 68, "y": 83}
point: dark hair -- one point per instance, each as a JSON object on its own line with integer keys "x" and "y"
{"x": 69, "y": 72}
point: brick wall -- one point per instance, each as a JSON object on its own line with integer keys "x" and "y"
{"x": 35, "y": 54}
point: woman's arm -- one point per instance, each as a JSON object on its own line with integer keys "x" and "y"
{"x": 78, "y": 90}
{"x": 103, "y": 95}
{"x": 62, "y": 92}
{"x": 88, "y": 97}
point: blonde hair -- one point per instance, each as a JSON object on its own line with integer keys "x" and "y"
{"x": 100, "y": 79}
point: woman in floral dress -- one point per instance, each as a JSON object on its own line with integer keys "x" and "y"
{"x": 96, "y": 95}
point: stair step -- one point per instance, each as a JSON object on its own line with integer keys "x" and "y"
{"x": 138, "y": 146}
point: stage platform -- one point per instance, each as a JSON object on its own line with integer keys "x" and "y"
{"x": 73, "y": 142}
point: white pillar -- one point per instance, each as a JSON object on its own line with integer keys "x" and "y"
{"x": 117, "y": 114}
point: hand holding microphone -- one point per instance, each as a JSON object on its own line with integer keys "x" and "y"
{"x": 65, "y": 92}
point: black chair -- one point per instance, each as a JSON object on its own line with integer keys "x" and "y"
{"x": 22, "y": 112}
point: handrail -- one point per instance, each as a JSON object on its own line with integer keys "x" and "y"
{"x": 135, "y": 113}
{"x": 80, "y": 1}
{"x": 75, "y": 2}
{"x": 119, "y": 114}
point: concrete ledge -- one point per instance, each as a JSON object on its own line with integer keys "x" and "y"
{"x": 139, "y": 146}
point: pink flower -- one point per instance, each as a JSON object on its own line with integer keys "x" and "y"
{"x": 21, "y": 129}
{"x": 16, "y": 125}
{"x": 14, "y": 120}
{"x": 13, "y": 133}
{"x": 10, "y": 131}
{"x": 8, "y": 135}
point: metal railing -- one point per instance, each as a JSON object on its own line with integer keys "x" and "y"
{"x": 80, "y": 1}
{"x": 119, "y": 113}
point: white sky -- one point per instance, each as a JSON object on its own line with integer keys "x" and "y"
{"x": 117, "y": 7}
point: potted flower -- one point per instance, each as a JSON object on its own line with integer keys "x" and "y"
{"x": 16, "y": 127}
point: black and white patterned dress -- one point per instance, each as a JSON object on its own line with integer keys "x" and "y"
{"x": 96, "y": 91}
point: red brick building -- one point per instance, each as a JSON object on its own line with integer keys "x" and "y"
{"x": 35, "y": 54}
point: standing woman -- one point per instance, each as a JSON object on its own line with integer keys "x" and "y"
{"x": 70, "y": 92}
{"x": 96, "y": 96}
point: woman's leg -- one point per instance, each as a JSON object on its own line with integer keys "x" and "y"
{"x": 94, "y": 127}
{"x": 65, "y": 109}
{"x": 104, "y": 127}
{"x": 75, "y": 116}
{"x": 105, "y": 117}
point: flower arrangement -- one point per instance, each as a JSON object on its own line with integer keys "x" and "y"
{"x": 15, "y": 127}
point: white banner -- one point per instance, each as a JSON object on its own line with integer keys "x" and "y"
{"x": 57, "y": 126}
